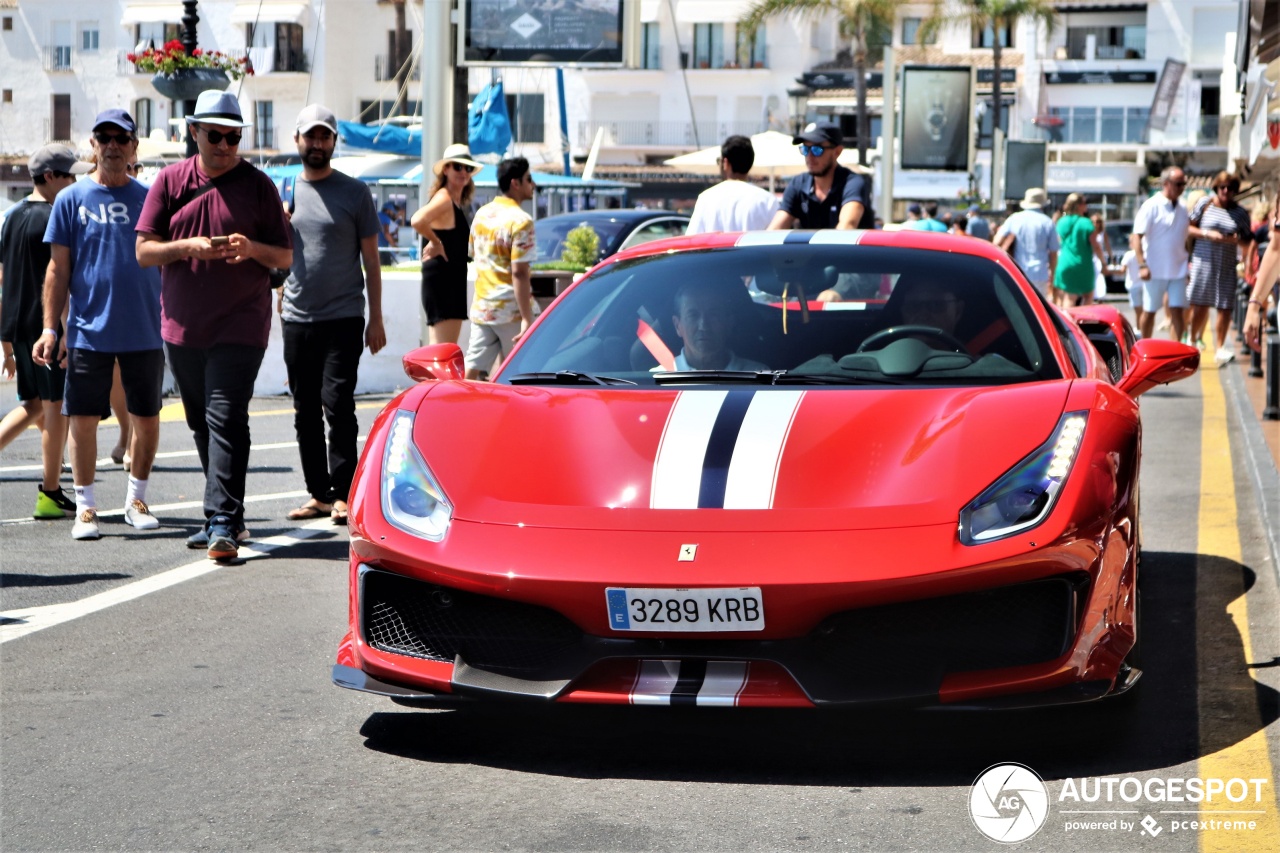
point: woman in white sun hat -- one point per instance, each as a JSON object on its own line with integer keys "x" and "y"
{"x": 442, "y": 221}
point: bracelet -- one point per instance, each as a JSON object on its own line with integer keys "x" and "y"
{"x": 1257, "y": 302}
{"x": 53, "y": 332}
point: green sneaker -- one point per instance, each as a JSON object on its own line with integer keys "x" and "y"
{"x": 53, "y": 504}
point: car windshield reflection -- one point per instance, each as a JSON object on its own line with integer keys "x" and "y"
{"x": 825, "y": 315}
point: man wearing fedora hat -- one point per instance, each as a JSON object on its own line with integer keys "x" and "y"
{"x": 215, "y": 226}
{"x": 1029, "y": 236}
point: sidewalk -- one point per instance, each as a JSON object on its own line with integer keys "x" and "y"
{"x": 1256, "y": 389}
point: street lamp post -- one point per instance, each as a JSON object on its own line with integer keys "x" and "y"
{"x": 189, "y": 21}
{"x": 799, "y": 98}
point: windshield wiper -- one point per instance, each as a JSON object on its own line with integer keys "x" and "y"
{"x": 566, "y": 377}
{"x": 767, "y": 377}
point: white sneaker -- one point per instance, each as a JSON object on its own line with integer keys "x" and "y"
{"x": 86, "y": 526}
{"x": 138, "y": 516}
{"x": 1224, "y": 356}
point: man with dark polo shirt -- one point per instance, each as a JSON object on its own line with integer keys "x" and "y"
{"x": 827, "y": 195}
{"x": 24, "y": 258}
{"x": 215, "y": 227}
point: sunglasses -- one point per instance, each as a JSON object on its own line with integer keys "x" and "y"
{"x": 812, "y": 150}
{"x": 108, "y": 138}
{"x": 1177, "y": 183}
{"x": 460, "y": 167}
{"x": 215, "y": 136}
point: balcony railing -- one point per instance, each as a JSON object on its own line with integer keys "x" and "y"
{"x": 1208, "y": 131}
{"x": 57, "y": 58}
{"x": 1090, "y": 125}
{"x": 664, "y": 133}
{"x": 385, "y": 69}
{"x": 123, "y": 65}
{"x": 266, "y": 60}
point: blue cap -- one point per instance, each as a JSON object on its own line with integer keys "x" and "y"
{"x": 119, "y": 118}
{"x": 973, "y": 208}
{"x": 915, "y": 208}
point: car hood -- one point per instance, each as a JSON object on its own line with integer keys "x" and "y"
{"x": 727, "y": 459}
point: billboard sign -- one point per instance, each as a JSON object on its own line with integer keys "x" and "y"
{"x": 936, "y": 116}
{"x": 564, "y": 32}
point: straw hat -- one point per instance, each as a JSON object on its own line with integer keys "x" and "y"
{"x": 456, "y": 153}
{"x": 1035, "y": 198}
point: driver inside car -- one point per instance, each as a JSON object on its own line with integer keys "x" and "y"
{"x": 930, "y": 304}
{"x": 705, "y": 318}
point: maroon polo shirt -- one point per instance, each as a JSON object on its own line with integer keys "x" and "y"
{"x": 203, "y": 303}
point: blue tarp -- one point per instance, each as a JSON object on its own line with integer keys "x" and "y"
{"x": 383, "y": 137}
{"x": 488, "y": 126}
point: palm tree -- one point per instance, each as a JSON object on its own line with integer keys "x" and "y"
{"x": 999, "y": 16}
{"x": 858, "y": 20}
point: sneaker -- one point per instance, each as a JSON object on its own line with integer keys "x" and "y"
{"x": 53, "y": 504}
{"x": 1224, "y": 356}
{"x": 86, "y": 526}
{"x": 200, "y": 539}
{"x": 222, "y": 538}
{"x": 138, "y": 516}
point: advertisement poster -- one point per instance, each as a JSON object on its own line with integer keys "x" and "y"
{"x": 508, "y": 32}
{"x": 935, "y": 118}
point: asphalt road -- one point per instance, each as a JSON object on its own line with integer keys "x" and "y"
{"x": 157, "y": 702}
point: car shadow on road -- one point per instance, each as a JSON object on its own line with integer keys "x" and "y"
{"x": 11, "y": 579}
{"x": 1156, "y": 726}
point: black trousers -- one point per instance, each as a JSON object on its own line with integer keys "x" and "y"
{"x": 216, "y": 385}
{"x": 322, "y": 359}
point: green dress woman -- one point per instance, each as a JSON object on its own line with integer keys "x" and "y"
{"x": 1075, "y": 273}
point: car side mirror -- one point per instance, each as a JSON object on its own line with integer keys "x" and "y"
{"x": 433, "y": 362}
{"x": 1158, "y": 362}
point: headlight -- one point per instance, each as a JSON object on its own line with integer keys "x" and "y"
{"x": 412, "y": 500}
{"x": 1024, "y": 496}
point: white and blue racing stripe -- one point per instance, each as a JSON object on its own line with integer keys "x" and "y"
{"x": 689, "y": 682}
{"x": 777, "y": 238}
{"x": 722, "y": 449}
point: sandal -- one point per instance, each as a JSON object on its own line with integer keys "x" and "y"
{"x": 309, "y": 511}
{"x": 339, "y": 513}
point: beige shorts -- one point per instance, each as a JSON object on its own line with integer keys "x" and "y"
{"x": 489, "y": 344}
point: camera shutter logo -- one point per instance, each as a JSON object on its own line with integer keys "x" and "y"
{"x": 1008, "y": 803}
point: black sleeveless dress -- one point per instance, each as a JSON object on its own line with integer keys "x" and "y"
{"x": 444, "y": 283}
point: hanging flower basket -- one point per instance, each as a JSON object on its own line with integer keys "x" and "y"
{"x": 186, "y": 84}
{"x": 182, "y": 76}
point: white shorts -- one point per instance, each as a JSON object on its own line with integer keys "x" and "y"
{"x": 488, "y": 344}
{"x": 1154, "y": 290}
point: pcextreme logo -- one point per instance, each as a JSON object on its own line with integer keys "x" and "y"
{"x": 1008, "y": 803}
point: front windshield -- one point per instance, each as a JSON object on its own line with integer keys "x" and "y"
{"x": 854, "y": 315}
{"x": 552, "y": 231}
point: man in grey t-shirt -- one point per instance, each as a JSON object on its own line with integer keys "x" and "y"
{"x": 335, "y": 227}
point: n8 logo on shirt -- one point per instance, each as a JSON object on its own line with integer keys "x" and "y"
{"x": 116, "y": 213}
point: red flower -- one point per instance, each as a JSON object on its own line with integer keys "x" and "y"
{"x": 198, "y": 51}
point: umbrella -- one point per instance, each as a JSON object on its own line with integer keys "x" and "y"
{"x": 776, "y": 155}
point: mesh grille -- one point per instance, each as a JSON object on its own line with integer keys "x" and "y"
{"x": 1010, "y": 626}
{"x": 422, "y": 620}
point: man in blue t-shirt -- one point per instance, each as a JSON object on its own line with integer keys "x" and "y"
{"x": 114, "y": 316}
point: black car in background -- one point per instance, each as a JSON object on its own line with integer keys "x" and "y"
{"x": 617, "y": 230}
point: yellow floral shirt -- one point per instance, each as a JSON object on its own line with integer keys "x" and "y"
{"x": 501, "y": 235}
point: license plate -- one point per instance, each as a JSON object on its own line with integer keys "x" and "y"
{"x": 735, "y": 609}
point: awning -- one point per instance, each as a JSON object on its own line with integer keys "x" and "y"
{"x": 151, "y": 13}
{"x": 250, "y": 11}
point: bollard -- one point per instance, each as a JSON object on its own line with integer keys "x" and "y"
{"x": 1243, "y": 292}
{"x": 1271, "y": 411}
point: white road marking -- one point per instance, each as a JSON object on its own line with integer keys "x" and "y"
{"x": 31, "y": 619}
{"x": 155, "y": 508}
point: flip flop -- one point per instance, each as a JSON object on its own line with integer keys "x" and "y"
{"x": 307, "y": 512}
{"x": 339, "y": 513}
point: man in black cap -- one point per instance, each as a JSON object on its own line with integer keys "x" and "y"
{"x": 828, "y": 195}
{"x": 24, "y": 257}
